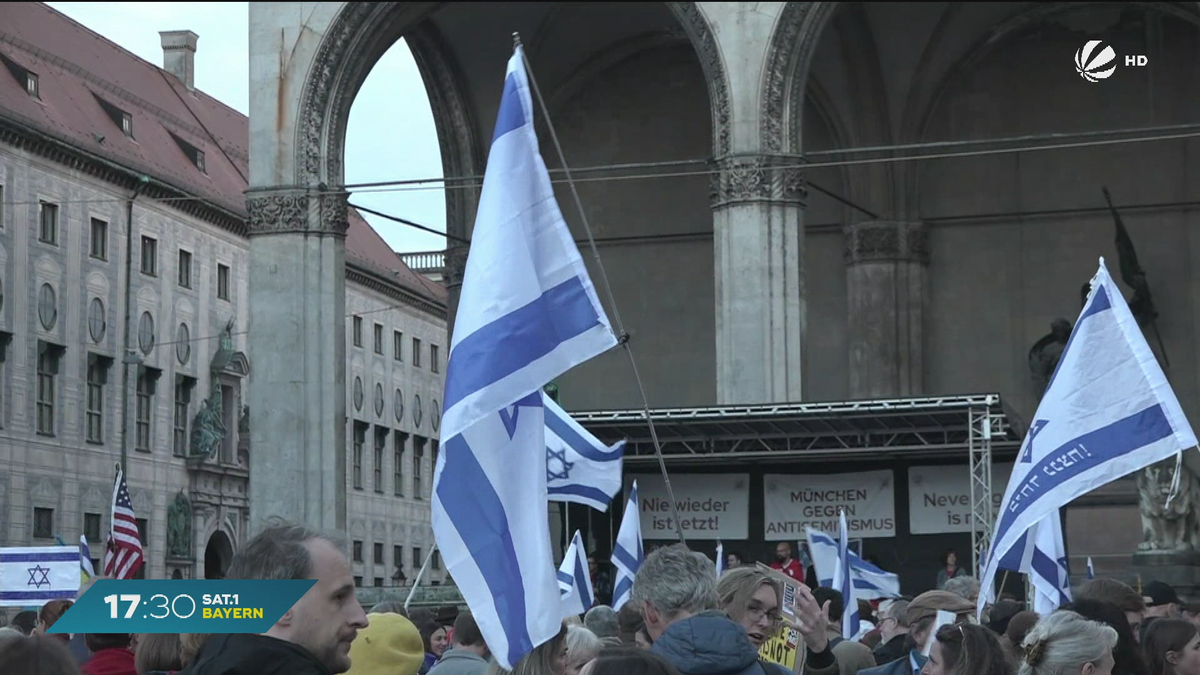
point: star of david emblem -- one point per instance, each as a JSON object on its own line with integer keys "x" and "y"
{"x": 561, "y": 458}
{"x": 38, "y": 581}
{"x": 1034, "y": 430}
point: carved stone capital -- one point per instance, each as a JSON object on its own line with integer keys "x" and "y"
{"x": 882, "y": 240}
{"x": 758, "y": 179}
{"x": 292, "y": 211}
{"x": 456, "y": 264}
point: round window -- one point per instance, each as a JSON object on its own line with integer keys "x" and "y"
{"x": 183, "y": 344}
{"x": 398, "y": 405}
{"x": 379, "y": 402}
{"x": 146, "y": 333}
{"x": 435, "y": 415}
{"x": 47, "y": 307}
{"x": 358, "y": 393}
{"x": 417, "y": 410}
{"x": 97, "y": 324}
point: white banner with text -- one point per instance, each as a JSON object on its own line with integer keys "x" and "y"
{"x": 711, "y": 506}
{"x": 794, "y": 502}
{"x": 939, "y": 497}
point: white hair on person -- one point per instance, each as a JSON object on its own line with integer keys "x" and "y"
{"x": 1065, "y": 642}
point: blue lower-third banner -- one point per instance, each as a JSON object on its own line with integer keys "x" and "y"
{"x": 182, "y": 606}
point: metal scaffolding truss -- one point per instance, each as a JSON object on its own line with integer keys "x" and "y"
{"x": 945, "y": 427}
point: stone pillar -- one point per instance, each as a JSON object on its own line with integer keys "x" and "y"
{"x": 886, "y": 265}
{"x": 758, "y": 251}
{"x": 298, "y": 356}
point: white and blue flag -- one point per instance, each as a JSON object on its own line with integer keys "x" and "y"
{"x": 1049, "y": 572}
{"x": 720, "y": 558}
{"x": 869, "y": 582}
{"x": 842, "y": 581}
{"x": 579, "y": 468}
{"x": 1107, "y": 412}
{"x": 526, "y": 314}
{"x": 35, "y": 575}
{"x": 627, "y": 554}
{"x": 1091, "y": 571}
{"x": 574, "y": 580}
{"x": 86, "y": 570}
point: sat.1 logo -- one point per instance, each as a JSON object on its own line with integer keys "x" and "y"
{"x": 1097, "y": 61}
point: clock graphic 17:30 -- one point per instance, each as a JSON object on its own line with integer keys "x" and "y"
{"x": 182, "y": 606}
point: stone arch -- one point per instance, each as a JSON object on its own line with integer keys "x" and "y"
{"x": 789, "y": 54}
{"x": 359, "y": 35}
{"x": 218, "y": 553}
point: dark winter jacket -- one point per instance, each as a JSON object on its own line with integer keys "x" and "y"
{"x": 247, "y": 654}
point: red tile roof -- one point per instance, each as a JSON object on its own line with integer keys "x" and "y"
{"x": 77, "y": 69}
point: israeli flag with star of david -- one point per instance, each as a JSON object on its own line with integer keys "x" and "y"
{"x": 574, "y": 580}
{"x": 35, "y": 575}
{"x": 1107, "y": 412}
{"x": 579, "y": 468}
{"x": 527, "y": 313}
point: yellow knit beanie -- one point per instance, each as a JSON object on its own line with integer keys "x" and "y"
{"x": 389, "y": 645}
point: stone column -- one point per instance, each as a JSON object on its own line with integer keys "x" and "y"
{"x": 886, "y": 265}
{"x": 758, "y": 251}
{"x": 298, "y": 356}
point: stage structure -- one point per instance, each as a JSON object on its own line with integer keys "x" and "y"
{"x": 945, "y": 427}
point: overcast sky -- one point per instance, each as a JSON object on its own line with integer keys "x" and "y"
{"x": 391, "y": 135}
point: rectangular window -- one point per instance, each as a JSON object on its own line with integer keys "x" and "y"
{"x": 145, "y": 409}
{"x": 433, "y": 453}
{"x": 397, "y": 345}
{"x": 436, "y": 561}
{"x": 418, "y": 455}
{"x": 378, "y": 582}
{"x": 48, "y": 224}
{"x": 183, "y": 402}
{"x": 357, "y": 331}
{"x": 378, "y": 554}
{"x": 31, "y": 85}
{"x": 47, "y": 382}
{"x": 416, "y": 353}
{"x": 97, "y": 377}
{"x": 150, "y": 256}
{"x": 358, "y": 582}
{"x": 43, "y": 523}
{"x": 381, "y": 435}
{"x": 185, "y": 269}
{"x": 358, "y": 552}
{"x": 91, "y": 528}
{"x": 99, "y": 249}
{"x": 399, "y": 440}
{"x": 143, "y": 527}
{"x": 398, "y": 556}
{"x": 433, "y": 358}
{"x": 379, "y": 339}
{"x": 126, "y": 124}
{"x": 1, "y": 207}
{"x": 417, "y": 560}
{"x": 360, "y": 438}
{"x": 222, "y": 282}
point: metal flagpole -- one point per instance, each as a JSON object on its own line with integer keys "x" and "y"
{"x": 623, "y": 337}
{"x": 420, "y": 574}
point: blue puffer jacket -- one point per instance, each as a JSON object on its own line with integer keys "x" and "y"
{"x": 711, "y": 644}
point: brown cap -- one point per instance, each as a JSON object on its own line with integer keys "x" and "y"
{"x": 927, "y": 604}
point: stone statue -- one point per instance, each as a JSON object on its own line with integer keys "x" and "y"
{"x": 208, "y": 430}
{"x": 244, "y": 420}
{"x": 179, "y": 527}
{"x": 1174, "y": 528}
{"x": 1045, "y": 353}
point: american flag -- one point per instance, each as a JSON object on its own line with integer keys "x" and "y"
{"x": 123, "y": 554}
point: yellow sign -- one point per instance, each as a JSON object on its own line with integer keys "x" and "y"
{"x": 782, "y": 649}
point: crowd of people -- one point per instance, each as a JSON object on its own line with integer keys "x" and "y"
{"x": 681, "y": 620}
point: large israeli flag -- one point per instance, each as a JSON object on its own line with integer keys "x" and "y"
{"x": 35, "y": 575}
{"x": 574, "y": 580}
{"x": 627, "y": 553}
{"x": 579, "y": 468}
{"x": 527, "y": 313}
{"x": 1107, "y": 412}
{"x": 869, "y": 582}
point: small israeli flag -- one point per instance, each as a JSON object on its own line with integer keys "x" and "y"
{"x": 574, "y": 581}
{"x": 627, "y": 554}
{"x": 720, "y": 558}
{"x": 35, "y": 575}
{"x": 842, "y": 580}
{"x": 869, "y": 582}
{"x": 579, "y": 468}
{"x": 1091, "y": 571}
{"x": 85, "y": 560}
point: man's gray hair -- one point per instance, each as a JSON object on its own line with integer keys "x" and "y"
{"x": 602, "y": 620}
{"x": 965, "y": 587}
{"x": 675, "y": 580}
{"x": 1064, "y": 642}
{"x": 898, "y": 610}
{"x": 278, "y": 552}
{"x": 582, "y": 645}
